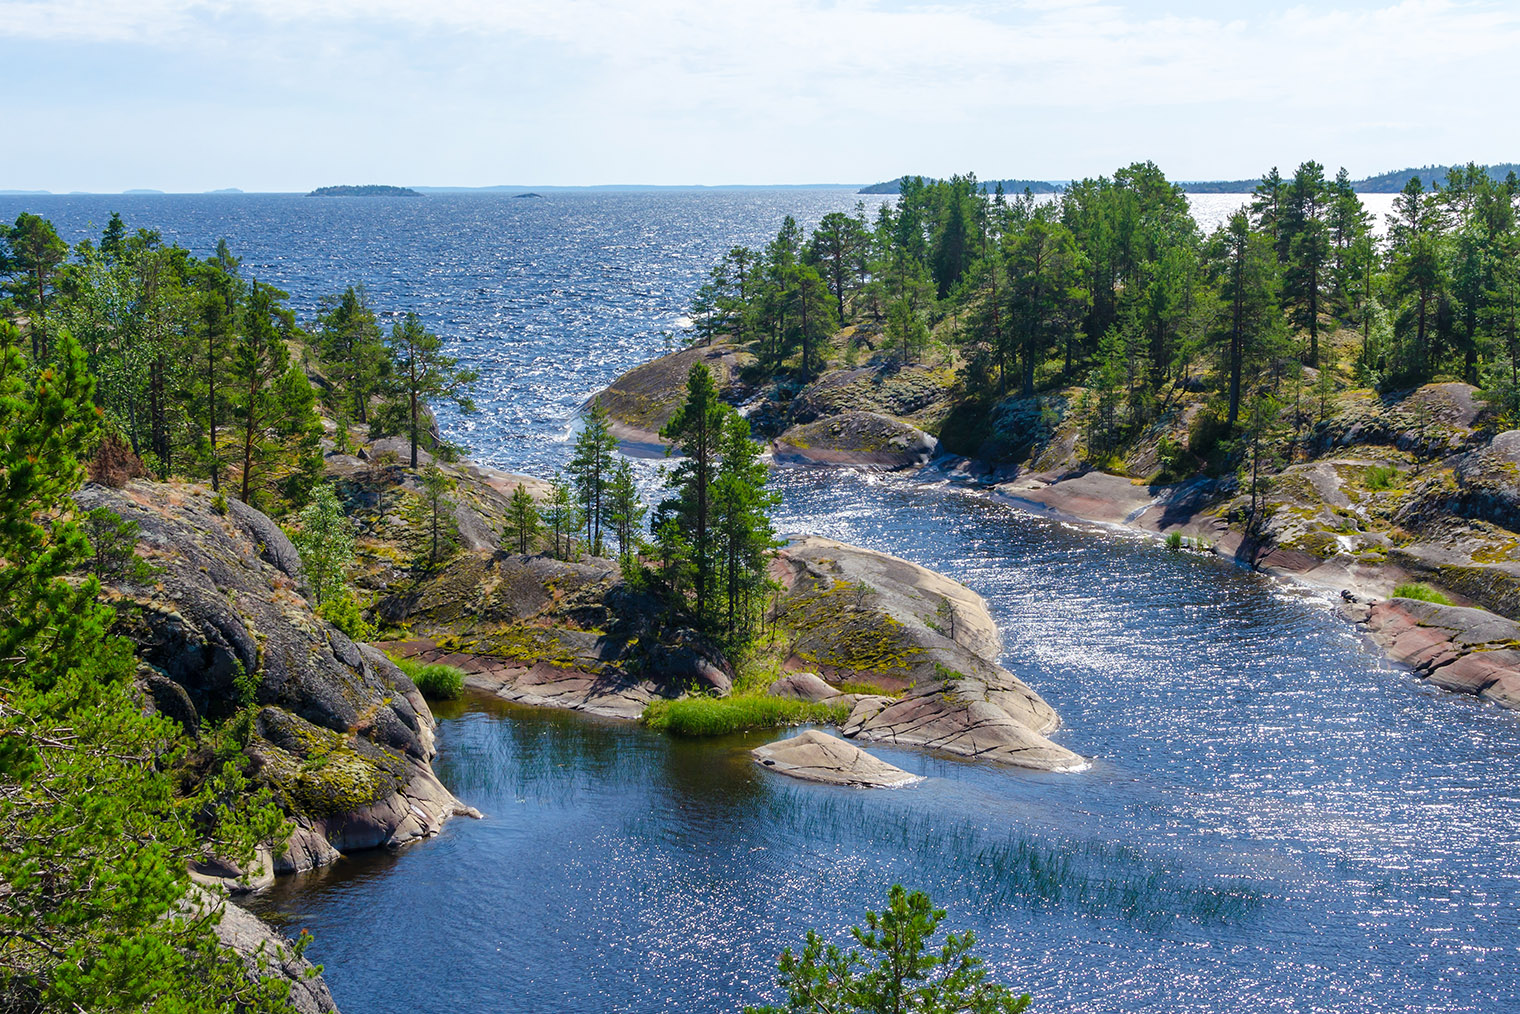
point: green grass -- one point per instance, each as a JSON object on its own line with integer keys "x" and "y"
{"x": 1423, "y": 592}
{"x": 719, "y": 716}
{"x": 438, "y": 682}
{"x": 1382, "y": 477}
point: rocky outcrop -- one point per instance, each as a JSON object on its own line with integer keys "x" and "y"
{"x": 815, "y": 756}
{"x": 641, "y": 401}
{"x": 1459, "y": 649}
{"x": 339, "y": 734}
{"x": 860, "y": 615}
{"x": 552, "y": 633}
{"x": 857, "y": 440}
{"x": 266, "y": 954}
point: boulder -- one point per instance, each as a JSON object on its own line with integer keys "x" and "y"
{"x": 815, "y": 756}
{"x": 945, "y": 717}
{"x": 858, "y": 439}
{"x": 859, "y": 614}
{"x": 267, "y": 954}
{"x": 802, "y": 686}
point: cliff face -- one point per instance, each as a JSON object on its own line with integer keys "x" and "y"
{"x": 340, "y": 735}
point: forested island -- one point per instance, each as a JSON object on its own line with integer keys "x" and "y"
{"x": 367, "y": 190}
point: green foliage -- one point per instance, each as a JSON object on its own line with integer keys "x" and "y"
{"x": 325, "y": 540}
{"x": 713, "y": 533}
{"x": 627, "y": 511}
{"x": 523, "y": 520}
{"x": 561, "y": 517}
{"x": 95, "y": 833}
{"x": 591, "y": 470}
{"x": 113, "y": 544}
{"x": 346, "y": 612}
{"x": 1381, "y": 477}
{"x": 438, "y": 682}
{"x": 896, "y": 968}
{"x": 434, "y": 532}
{"x": 1422, "y": 592}
{"x": 702, "y": 716}
{"x": 423, "y": 373}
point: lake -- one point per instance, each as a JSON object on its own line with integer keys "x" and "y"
{"x": 1274, "y": 819}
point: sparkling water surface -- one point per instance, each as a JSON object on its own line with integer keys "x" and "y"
{"x": 1274, "y": 818}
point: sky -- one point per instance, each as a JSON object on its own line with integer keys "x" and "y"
{"x": 287, "y": 95}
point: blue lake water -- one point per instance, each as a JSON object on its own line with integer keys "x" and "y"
{"x": 1274, "y": 820}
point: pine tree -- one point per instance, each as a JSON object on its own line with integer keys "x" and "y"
{"x": 523, "y": 521}
{"x": 94, "y": 834}
{"x": 561, "y": 517}
{"x": 627, "y": 509}
{"x": 696, "y": 429}
{"x": 260, "y": 359}
{"x": 31, "y": 254}
{"x": 591, "y": 470}
{"x": 349, "y": 341}
{"x": 423, "y": 373}
{"x": 741, "y": 519}
{"x": 435, "y": 533}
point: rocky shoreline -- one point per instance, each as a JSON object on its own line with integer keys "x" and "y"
{"x": 1462, "y": 649}
{"x": 1409, "y": 487}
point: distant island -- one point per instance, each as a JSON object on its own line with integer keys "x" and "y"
{"x": 368, "y": 190}
{"x": 1383, "y": 183}
{"x": 987, "y": 186}
{"x": 529, "y": 194}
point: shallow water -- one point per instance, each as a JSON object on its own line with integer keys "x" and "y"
{"x": 1274, "y": 818}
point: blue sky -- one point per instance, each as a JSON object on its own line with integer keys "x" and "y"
{"x": 287, "y": 95}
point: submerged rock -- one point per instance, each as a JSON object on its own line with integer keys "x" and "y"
{"x": 815, "y": 756}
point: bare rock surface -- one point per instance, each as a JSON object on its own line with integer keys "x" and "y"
{"x": 1460, "y": 649}
{"x": 858, "y": 440}
{"x": 341, "y": 736}
{"x": 258, "y": 943}
{"x": 862, "y": 615}
{"x": 815, "y": 756}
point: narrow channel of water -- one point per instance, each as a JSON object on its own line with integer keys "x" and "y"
{"x": 1274, "y": 816}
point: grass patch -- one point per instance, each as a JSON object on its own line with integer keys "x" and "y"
{"x": 719, "y": 716}
{"x": 1422, "y": 592}
{"x": 438, "y": 682}
{"x": 1380, "y": 477}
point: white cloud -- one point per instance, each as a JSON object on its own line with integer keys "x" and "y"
{"x": 975, "y": 80}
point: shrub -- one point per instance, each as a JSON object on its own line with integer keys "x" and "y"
{"x": 1422, "y": 592}
{"x": 1174, "y": 541}
{"x": 898, "y": 966}
{"x": 1381, "y": 477}
{"x": 347, "y": 614}
{"x": 438, "y": 682}
{"x": 719, "y": 716}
